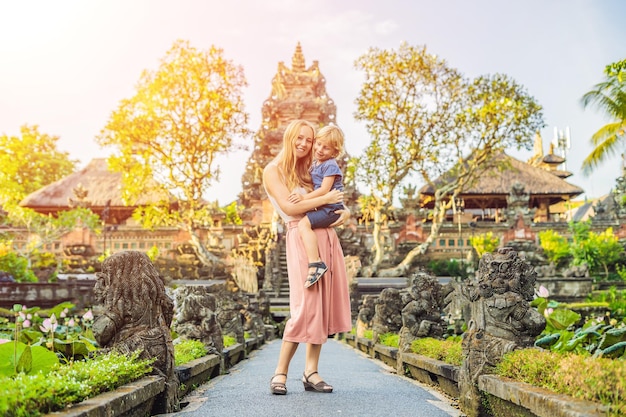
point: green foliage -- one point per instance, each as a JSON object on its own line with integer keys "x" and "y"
{"x": 447, "y": 268}
{"x": 600, "y": 336}
{"x": 229, "y": 340}
{"x": 616, "y": 69}
{"x": 587, "y": 247}
{"x": 232, "y": 213}
{"x": 593, "y": 379}
{"x": 36, "y": 394}
{"x": 38, "y": 339}
{"x": 616, "y": 300}
{"x": 608, "y": 249}
{"x": 485, "y": 243}
{"x": 555, "y": 247}
{"x": 609, "y": 97}
{"x": 389, "y": 339}
{"x": 188, "y": 350}
{"x": 557, "y": 316}
{"x": 17, "y": 266}
{"x": 17, "y": 357}
{"x": 621, "y": 271}
{"x": 153, "y": 253}
{"x": 449, "y": 351}
{"x": 29, "y": 162}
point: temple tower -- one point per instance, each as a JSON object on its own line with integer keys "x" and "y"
{"x": 297, "y": 93}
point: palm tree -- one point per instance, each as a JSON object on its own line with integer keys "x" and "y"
{"x": 608, "y": 96}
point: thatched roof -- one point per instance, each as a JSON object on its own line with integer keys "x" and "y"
{"x": 495, "y": 185}
{"x": 100, "y": 185}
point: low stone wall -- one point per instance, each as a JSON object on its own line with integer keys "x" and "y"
{"x": 46, "y": 295}
{"x": 504, "y": 396}
{"x": 567, "y": 290}
{"x": 137, "y": 398}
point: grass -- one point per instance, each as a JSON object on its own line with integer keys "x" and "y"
{"x": 448, "y": 351}
{"x": 229, "y": 340}
{"x": 188, "y": 350}
{"x": 389, "y": 339}
{"x": 36, "y": 394}
{"x": 593, "y": 379}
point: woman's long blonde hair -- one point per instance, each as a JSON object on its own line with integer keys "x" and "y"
{"x": 295, "y": 171}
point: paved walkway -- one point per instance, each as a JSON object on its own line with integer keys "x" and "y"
{"x": 362, "y": 387}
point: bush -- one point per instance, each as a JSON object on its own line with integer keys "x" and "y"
{"x": 17, "y": 267}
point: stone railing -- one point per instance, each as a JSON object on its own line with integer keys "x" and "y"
{"x": 138, "y": 397}
{"x": 505, "y": 396}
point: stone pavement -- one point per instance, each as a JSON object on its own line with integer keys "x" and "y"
{"x": 362, "y": 387}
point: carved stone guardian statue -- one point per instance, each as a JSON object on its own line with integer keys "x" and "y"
{"x": 136, "y": 314}
{"x": 421, "y": 314}
{"x": 501, "y": 319}
{"x": 196, "y": 318}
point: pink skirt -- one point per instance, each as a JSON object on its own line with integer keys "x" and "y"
{"x": 324, "y": 308}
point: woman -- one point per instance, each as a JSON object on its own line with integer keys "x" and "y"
{"x": 324, "y": 309}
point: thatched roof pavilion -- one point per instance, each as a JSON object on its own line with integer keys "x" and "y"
{"x": 545, "y": 187}
{"x": 94, "y": 186}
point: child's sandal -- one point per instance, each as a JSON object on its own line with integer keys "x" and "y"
{"x": 313, "y": 277}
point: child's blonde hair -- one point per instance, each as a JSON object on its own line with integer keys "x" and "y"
{"x": 334, "y": 136}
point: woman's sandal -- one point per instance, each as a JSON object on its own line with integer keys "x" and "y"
{"x": 320, "y": 386}
{"x": 278, "y": 388}
{"x": 313, "y": 277}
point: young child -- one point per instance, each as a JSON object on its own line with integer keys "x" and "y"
{"x": 326, "y": 176}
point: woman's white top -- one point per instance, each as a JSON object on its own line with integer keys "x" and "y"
{"x": 286, "y": 218}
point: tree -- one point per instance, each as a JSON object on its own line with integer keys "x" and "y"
{"x": 426, "y": 119}
{"x": 28, "y": 162}
{"x": 170, "y": 133}
{"x": 609, "y": 97}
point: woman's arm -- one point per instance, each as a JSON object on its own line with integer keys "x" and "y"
{"x": 275, "y": 187}
{"x": 327, "y": 185}
{"x": 344, "y": 215}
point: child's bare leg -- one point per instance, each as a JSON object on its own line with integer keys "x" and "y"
{"x": 309, "y": 238}
{"x": 317, "y": 268}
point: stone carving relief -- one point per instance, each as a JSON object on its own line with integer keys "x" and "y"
{"x": 136, "y": 313}
{"x": 518, "y": 205}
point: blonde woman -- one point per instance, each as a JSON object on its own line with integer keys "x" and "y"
{"x": 324, "y": 309}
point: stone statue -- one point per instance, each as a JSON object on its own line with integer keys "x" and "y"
{"x": 576, "y": 271}
{"x": 137, "y": 314}
{"x": 366, "y": 315}
{"x": 388, "y": 315}
{"x": 501, "y": 319}
{"x": 196, "y": 318}
{"x": 421, "y": 314}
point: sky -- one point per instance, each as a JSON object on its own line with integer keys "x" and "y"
{"x": 66, "y": 65}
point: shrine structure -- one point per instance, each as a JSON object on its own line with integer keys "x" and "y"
{"x": 297, "y": 93}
